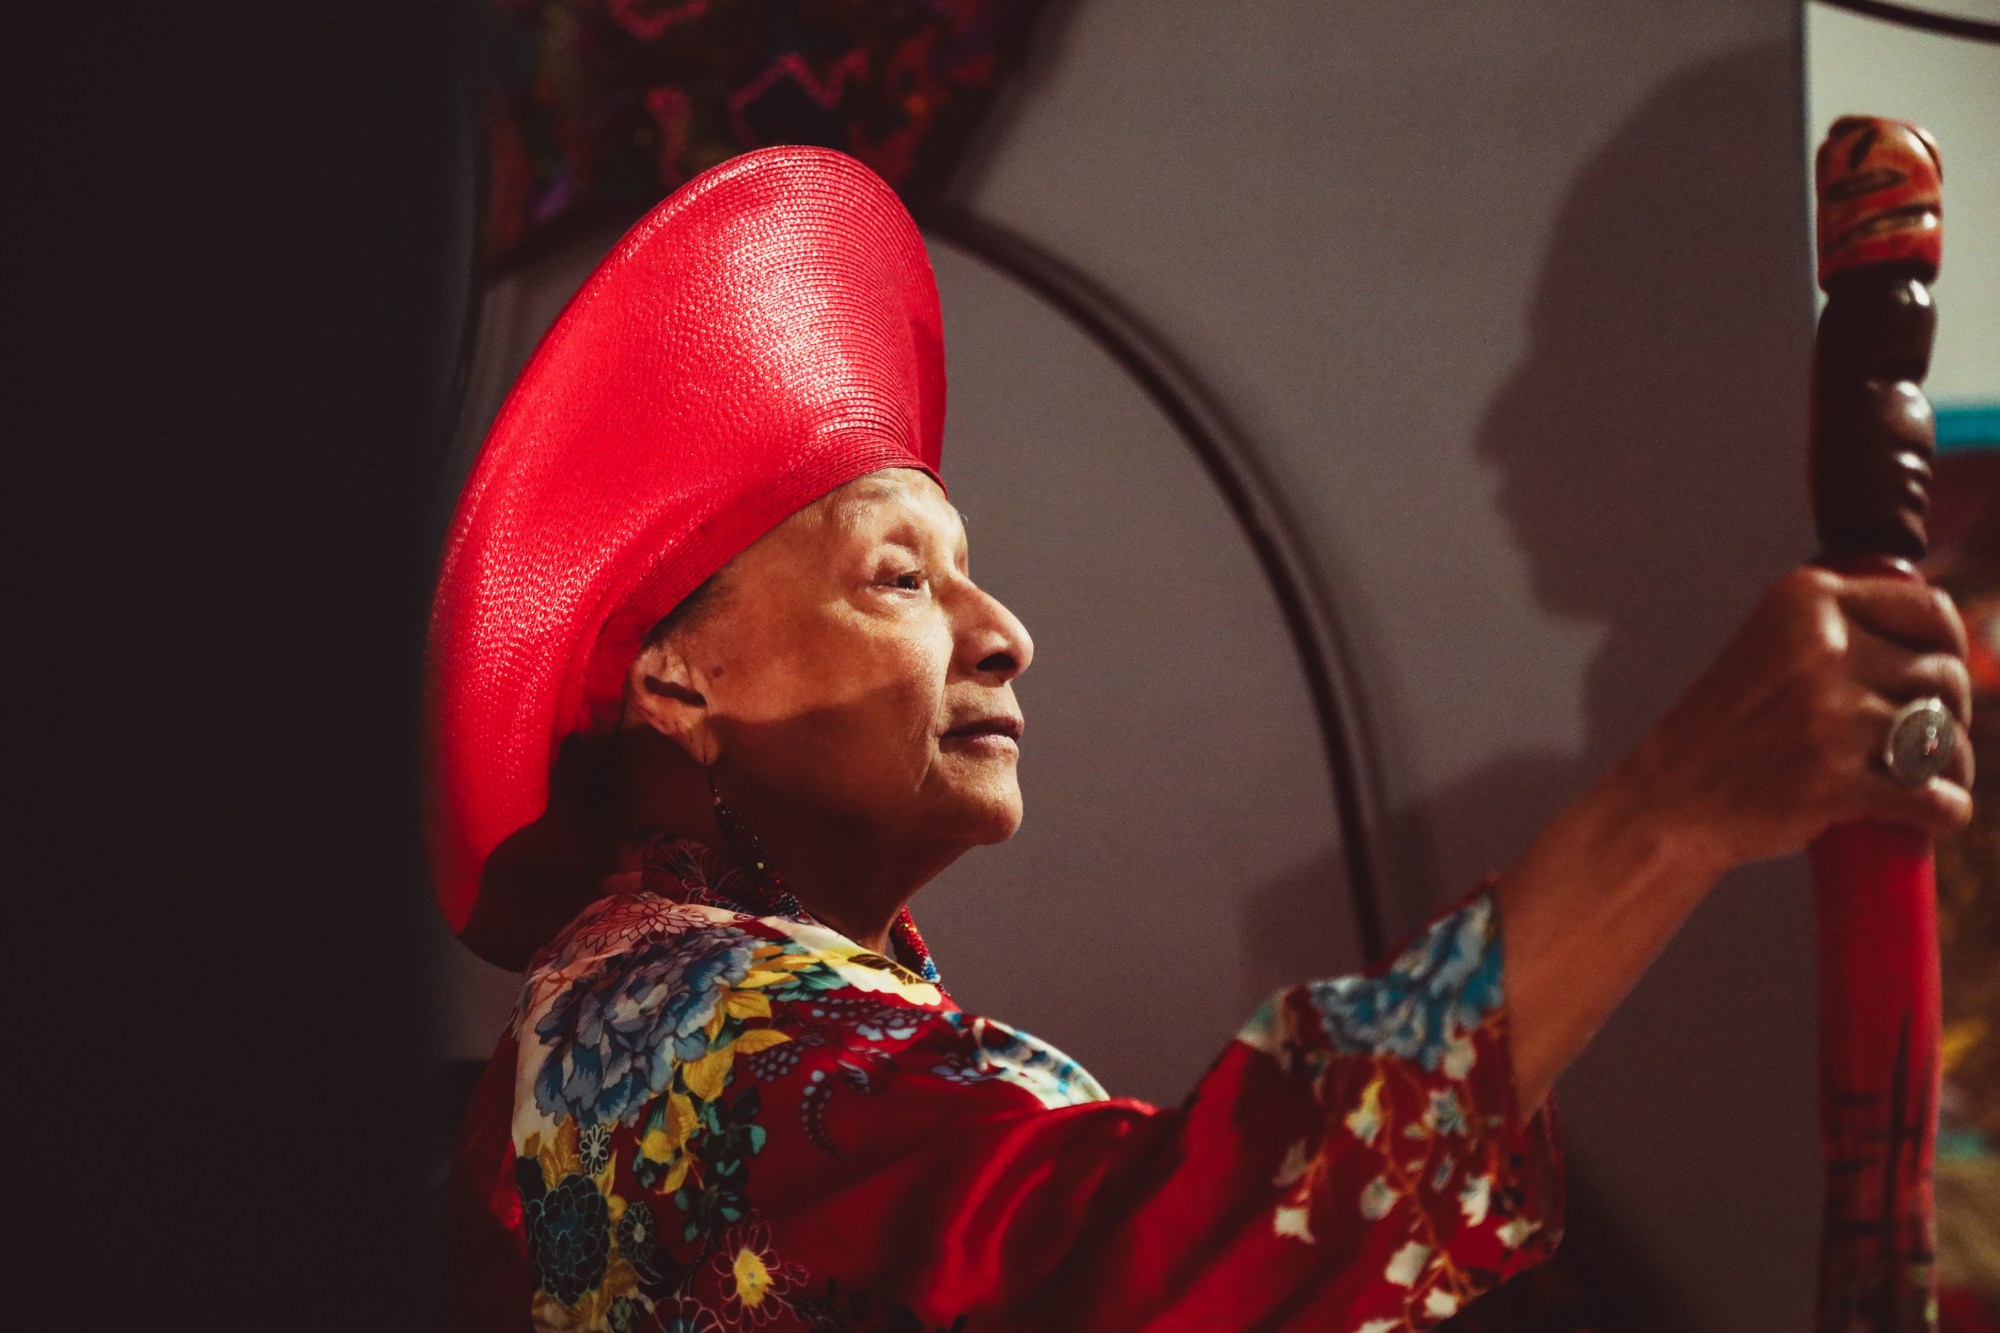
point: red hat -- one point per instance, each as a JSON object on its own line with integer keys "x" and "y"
{"x": 767, "y": 334}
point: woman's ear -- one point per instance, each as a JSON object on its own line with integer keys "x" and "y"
{"x": 661, "y": 693}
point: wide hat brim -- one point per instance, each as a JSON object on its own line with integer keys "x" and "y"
{"x": 768, "y": 333}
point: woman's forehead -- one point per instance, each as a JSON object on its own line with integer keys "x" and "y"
{"x": 898, "y": 497}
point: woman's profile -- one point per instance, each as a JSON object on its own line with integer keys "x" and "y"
{"x": 714, "y": 694}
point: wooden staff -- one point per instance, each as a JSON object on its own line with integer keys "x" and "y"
{"x": 1876, "y": 896}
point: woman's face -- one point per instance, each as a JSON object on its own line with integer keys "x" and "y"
{"x": 852, "y": 671}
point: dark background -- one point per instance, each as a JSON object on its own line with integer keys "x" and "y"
{"x": 237, "y": 277}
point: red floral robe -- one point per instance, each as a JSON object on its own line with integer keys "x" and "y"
{"x": 704, "y": 1119}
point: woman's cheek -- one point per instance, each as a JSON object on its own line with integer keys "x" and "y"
{"x": 915, "y": 714}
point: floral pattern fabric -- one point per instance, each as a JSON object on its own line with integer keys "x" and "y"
{"x": 704, "y": 1119}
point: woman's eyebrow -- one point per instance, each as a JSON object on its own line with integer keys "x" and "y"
{"x": 917, "y": 537}
{"x": 902, "y": 539}
{"x": 908, "y": 532}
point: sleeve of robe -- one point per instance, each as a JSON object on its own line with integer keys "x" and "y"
{"x": 749, "y": 1123}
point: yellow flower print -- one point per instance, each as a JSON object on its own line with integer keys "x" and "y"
{"x": 591, "y": 1313}
{"x": 667, "y": 1144}
{"x": 746, "y": 1004}
{"x": 760, "y": 1039}
{"x": 860, "y": 969}
{"x": 705, "y": 1077}
{"x": 754, "y": 1280}
{"x": 558, "y": 1154}
{"x": 772, "y": 966}
{"x": 1365, "y": 1120}
{"x": 672, "y": 1136}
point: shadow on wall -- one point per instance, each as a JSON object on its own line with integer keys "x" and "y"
{"x": 1651, "y": 452}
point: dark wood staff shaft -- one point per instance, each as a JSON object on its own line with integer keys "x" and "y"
{"x": 1874, "y": 884}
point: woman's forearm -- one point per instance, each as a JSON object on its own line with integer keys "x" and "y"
{"x": 1583, "y": 912}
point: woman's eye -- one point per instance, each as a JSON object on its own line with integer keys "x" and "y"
{"x": 912, "y": 582}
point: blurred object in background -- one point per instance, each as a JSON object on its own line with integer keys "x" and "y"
{"x": 600, "y": 105}
{"x": 1965, "y": 562}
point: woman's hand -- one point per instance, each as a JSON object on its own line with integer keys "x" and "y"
{"x": 1782, "y": 736}
{"x": 1777, "y": 740}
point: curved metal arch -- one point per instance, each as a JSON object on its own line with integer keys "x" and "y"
{"x": 1252, "y": 499}
{"x": 1910, "y": 16}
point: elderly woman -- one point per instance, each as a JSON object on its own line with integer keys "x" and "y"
{"x": 715, "y": 694}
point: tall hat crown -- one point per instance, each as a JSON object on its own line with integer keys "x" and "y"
{"x": 768, "y": 333}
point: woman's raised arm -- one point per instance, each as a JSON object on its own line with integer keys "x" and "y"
{"x": 1773, "y": 744}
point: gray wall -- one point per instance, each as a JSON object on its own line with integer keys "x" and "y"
{"x": 1514, "y": 298}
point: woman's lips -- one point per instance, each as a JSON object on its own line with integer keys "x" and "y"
{"x": 997, "y": 735}
{"x": 991, "y": 743}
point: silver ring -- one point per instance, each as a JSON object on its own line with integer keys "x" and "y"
{"x": 1919, "y": 741}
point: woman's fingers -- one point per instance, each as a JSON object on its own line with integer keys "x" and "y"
{"x": 1784, "y": 734}
{"x": 1913, "y": 614}
{"x": 1895, "y": 673}
{"x": 1906, "y": 642}
{"x": 1940, "y": 807}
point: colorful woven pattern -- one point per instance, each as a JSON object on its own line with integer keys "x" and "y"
{"x": 607, "y": 104}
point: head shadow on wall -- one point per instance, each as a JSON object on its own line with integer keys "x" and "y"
{"x": 1650, "y": 448}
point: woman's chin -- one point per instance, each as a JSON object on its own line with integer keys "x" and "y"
{"x": 987, "y": 817}
{"x": 1004, "y": 828}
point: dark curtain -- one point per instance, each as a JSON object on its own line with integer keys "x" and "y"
{"x": 238, "y": 249}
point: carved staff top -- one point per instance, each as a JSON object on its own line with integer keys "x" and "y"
{"x": 1880, "y": 240}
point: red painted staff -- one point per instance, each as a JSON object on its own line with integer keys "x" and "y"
{"x": 1876, "y": 898}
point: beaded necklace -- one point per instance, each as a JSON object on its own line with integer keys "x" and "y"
{"x": 760, "y": 891}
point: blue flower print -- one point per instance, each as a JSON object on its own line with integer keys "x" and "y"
{"x": 996, "y": 1050}
{"x": 569, "y": 1237}
{"x": 1430, "y": 999}
{"x": 615, "y": 1033}
{"x": 1445, "y": 1112}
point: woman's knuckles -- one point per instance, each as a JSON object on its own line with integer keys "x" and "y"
{"x": 1809, "y": 585}
{"x": 1952, "y": 682}
{"x": 1780, "y": 739}
{"x": 1913, "y": 615}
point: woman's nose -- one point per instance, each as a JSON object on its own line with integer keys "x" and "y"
{"x": 994, "y": 642}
